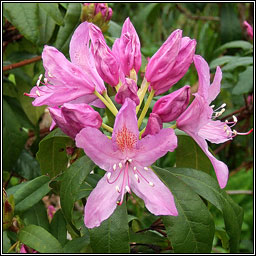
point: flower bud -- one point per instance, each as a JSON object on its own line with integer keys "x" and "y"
{"x": 171, "y": 106}
{"x": 170, "y": 63}
{"x": 127, "y": 90}
{"x": 154, "y": 125}
{"x": 106, "y": 62}
{"x": 248, "y": 29}
{"x": 127, "y": 48}
{"x": 71, "y": 118}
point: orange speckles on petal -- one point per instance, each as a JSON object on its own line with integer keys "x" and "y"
{"x": 125, "y": 139}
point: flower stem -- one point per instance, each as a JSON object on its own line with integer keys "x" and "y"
{"x": 145, "y": 109}
{"x": 109, "y": 100}
{"x": 142, "y": 92}
{"x": 108, "y": 105}
{"x": 173, "y": 126}
{"x": 106, "y": 127}
{"x": 142, "y": 131}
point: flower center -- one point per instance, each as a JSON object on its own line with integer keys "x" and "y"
{"x": 125, "y": 139}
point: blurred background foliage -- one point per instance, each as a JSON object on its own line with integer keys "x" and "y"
{"x": 221, "y": 40}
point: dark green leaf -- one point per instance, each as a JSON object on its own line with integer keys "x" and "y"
{"x": 14, "y": 137}
{"x": 36, "y": 215}
{"x": 245, "y": 82}
{"x": 31, "y": 193}
{"x": 52, "y": 10}
{"x": 235, "y": 44}
{"x": 39, "y": 239}
{"x": 58, "y": 227}
{"x": 189, "y": 154}
{"x": 84, "y": 191}
{"x": 52, "y": 154}
{"x": 24, "y": 16}
{"x": 6, "y": 242}
{"x": 209, "y": 189}
{"x": 222, "y": 235}
{"x": 27, "y": 166}
{"x": 192, "y": 231}
{"x": 238, "y": 62}
{"x": 77, "y": 244}
{"x": 112, "y": 236}
{"x": 222, "y": 60}
{"x": 70, "y": 184}
{"x": 71, "y": 20}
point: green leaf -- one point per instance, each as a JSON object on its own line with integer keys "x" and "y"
{"x": 58, "y": 227}
{"x": 71, "y": 20}
{"x": 235, "y": 44}
{"x": 222, "y": 235}
{"x": 114, "y": 29}
{"x": 221, "y": 61}
{"x": 112, "y": 236}
{"x": 36, "y": 215}
{"x": 52, "y": 155}
{"x": 192, "y": 231}
{"x": 14, "y": 137}
{"x": 52, "y": 9}
{"x": 24, "y": 16}
{"x": 245, "y": 82}
{"x": 39, "y": 239}
{"x": 70, "y": 185}
{"x": 77, "y": 244}
{"x": 84, "y": 191}
{"x": 31, "y": 193}
{"x": 189, "y": 154}
{"x": 209, "y": 189}
{"x": 27, "y": 166}
{"x": 238, "y": 62}
{"x": 6, "y": 242}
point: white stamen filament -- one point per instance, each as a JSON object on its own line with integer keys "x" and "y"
{"x": 120, "y": 165}
{"x": 38, "y": 93}
{"x": 146, "y": 168}
{"x": 114, "y": 167}
{"x": 109, "y": 175}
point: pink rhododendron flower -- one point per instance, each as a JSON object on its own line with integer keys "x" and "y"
{"x": 171, "y": 106}
{"x": 154, "y": 125}
{"x": 127, "y": 48}
{"x": 249, "y": 29}
{"x": 66, "y": 81}
{"x": 127, "y": 161}
{"x": 71, "y": 118}
{"x": 198, "y": 120}
{"x": 51, "y": 210}
{"x": 170, "y": 63}
{"x": 26, "y": 249}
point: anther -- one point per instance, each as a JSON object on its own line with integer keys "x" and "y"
{"x": 127, "y": 189}
{"x": 49, "y": 74}
{"x": 227, "y": 131}
{"x": 212, "y": 106}
{"x": 223, "y": 105}
{"x": 226, "y": 121}
{"x": 114, "y": 167}
{"x": 120, "y": 165}
{"x": 38, "y": 93}
{"x": 134, "y": 168}
{"x": 235, "y": 119}
{"x": 129, "y": 160}
{"x": 38, "y": 83}
{"x": 136, "y": 176}
{"x": 40, "y": 77}
{"x": 109, "y": 175}
{"x": 146, "y": 168}
{"x": 117, "y": 189}
{"x": 151, "y": 184}
{"x": 235, "y": 132}
{"x": 45, "y": 80}
{"x": 225, "y": 128}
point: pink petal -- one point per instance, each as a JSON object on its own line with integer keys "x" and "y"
{"x": 216, "y": 132}
{"x": 98, "y": 147}
{"x": 101, "y": 203}
{"x": 158, "y": 199}
{"x": 154, "y": 125}
{"x": 152, "y": 147}
{"x": 126, "y": 133}
{"x": 214, "y": 89}
{"x": 220, "y": 168}
{"x": 23, "y": 249}
{"x": 80, "y": 54}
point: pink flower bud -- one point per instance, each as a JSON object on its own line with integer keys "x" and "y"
{"x": 127, "y": 48}
{"x": 249, "y": 29}
{"x": 106, "y": 62}
{"x": 51, "y": 210}
{"x": 177, "y": 55}
{"x": 171, "y": 106}
{"x": 154, "y": 125}
{"x": 71, "y": 118}
{"x": 110, "y": 13}
{"x": 127, "y": 90}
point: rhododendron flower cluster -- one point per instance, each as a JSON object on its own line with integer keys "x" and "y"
{"x": 75, "y": 89}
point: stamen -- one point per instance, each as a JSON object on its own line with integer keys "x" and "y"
{"x": 151, "y": 184}
{"x": 120, "y": 165}
{"x": 118, "y": 202}
{"x": 146, "y": 168}
{"x": 118, "y": 189}
{"x": 134, "y": 168}
{"x": 38, "y": 93}
{"x": 227, "y": 132}
{"x": 136, "y": 176}
{"x": 49, "y": 74}
{"x": 109, "y": 175}
{"x": 129, "y": 160}
{"x": 38, "y": 83}
{"x": 234, "y": 132}
{"x": 40, "y": 77}
{"x": 114, "y": 167}
{"x": 212, "y": 106}
{"x": 127, "y": 189}
{"x": 225, "y": 128}
{"x": 235, "y": 119}
{"x": 45, "y": 80}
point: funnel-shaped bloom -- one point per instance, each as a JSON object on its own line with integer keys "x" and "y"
{"x": 127, "y": 90}
{"x": 170, "y": 63}
{"x": 171, "y": 106}
{"x": 197, "y": 121}
{"x": 126, "y": 160}
{"x": 127, "y": 48}
{"x": 248, "y": 29}
{"x": 72, "y": 118}
{"x": 66, "y": 81}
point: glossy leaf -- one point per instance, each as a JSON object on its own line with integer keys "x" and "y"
{"x": 192, "y": 231}
{"x": 53, "y": 11}
{"x": 76, "y": 244}
{"x": 36, "y": 215}
{"x": 189, "y": 154}
{"x": 238, "y": 62}
{"x": 39, "y": 239}
{"x": 31, "y": 193}
{"x": 235, "y": 44}
{"x": 14, "y": 137}
{"x": 6, "y": 242}
{"x": 208, "y": 188}
{"x": 71, "y": 20}
{"x": 58, "y": 227}
{"x": 221, "y": 61}
{"x": 112, "y": 236}
{"x": 70, "y": 184}
{"x": 52, "y": 154}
